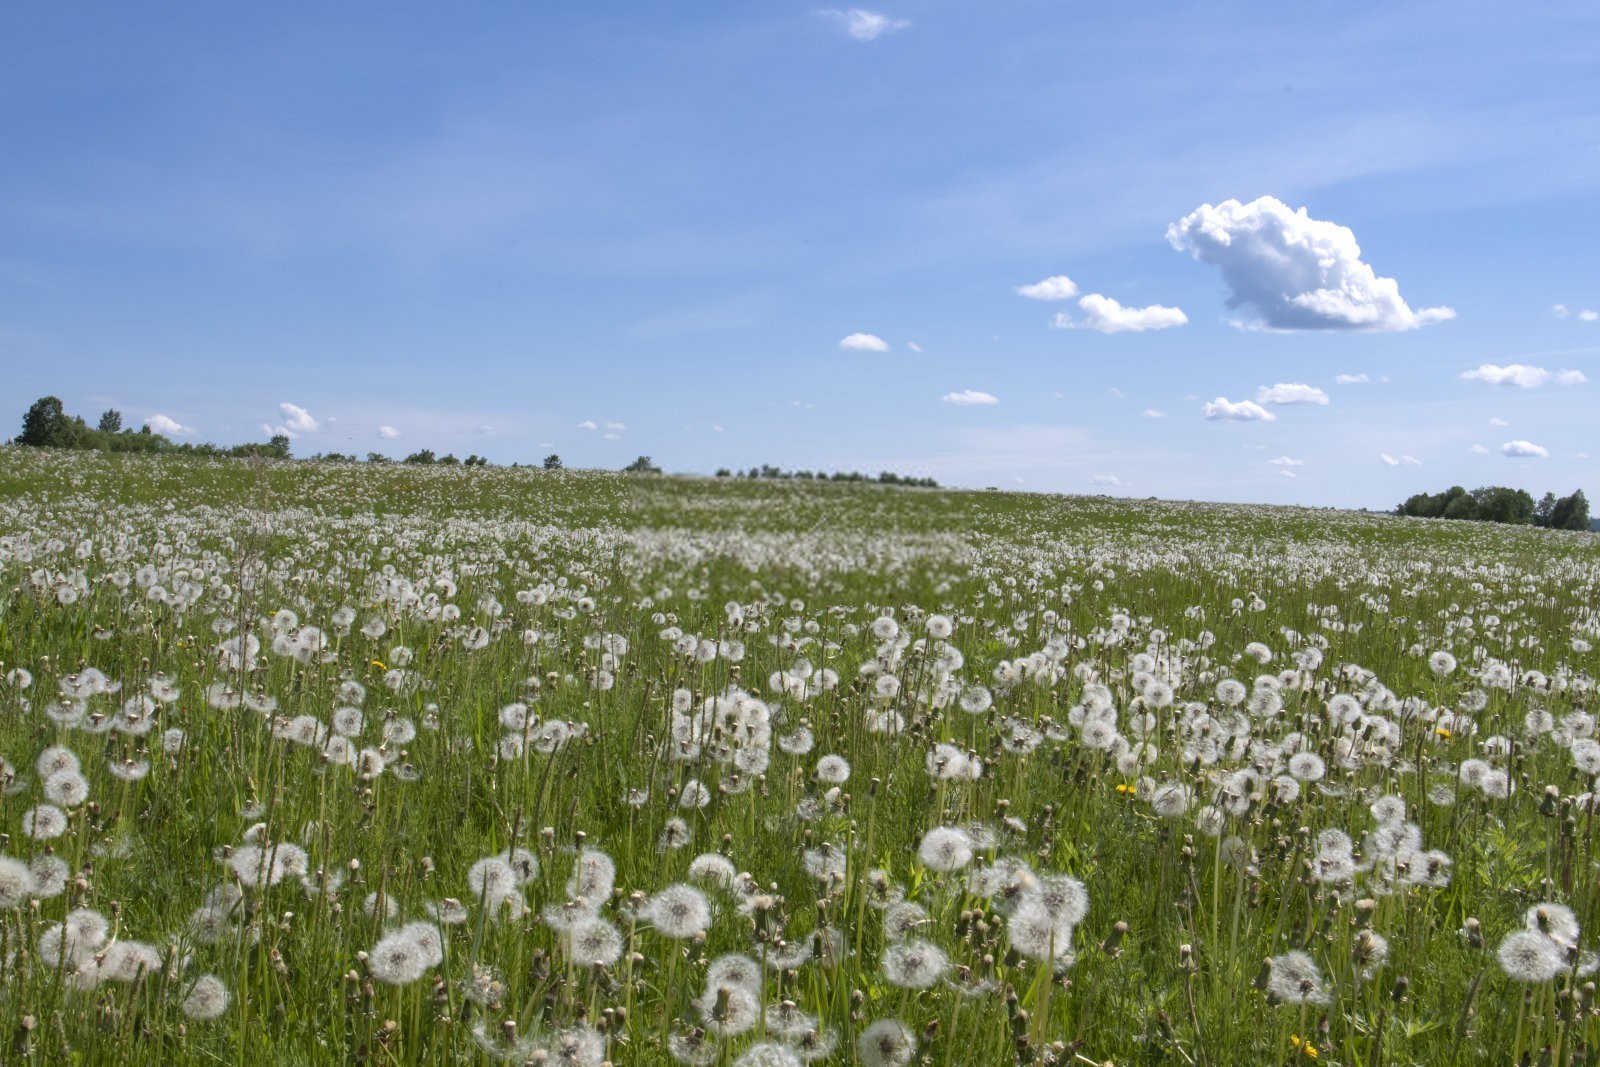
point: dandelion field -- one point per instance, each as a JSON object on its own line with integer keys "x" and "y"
{"x": 330, "y": 763}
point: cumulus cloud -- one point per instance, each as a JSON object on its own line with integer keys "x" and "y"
{"x": 864, "y": 342}
{"x": 968, "y": 397}
{"x": 1570, "y": 377}
{"x": 167, "y": 426}
{"x": 1106, "y": 479}
{"x": 1518, "y": 374}
{"x": 388, "y": 433}
{"x": 1589, "y": 315}
{"x": 1290, "y": 393}
{"x": 1287, "y": 473}
{"x": 1152, "y": 413}
{"x": 1524, "y": 450}
{"x": 1242, "y": 411}
{"x": 1559, "y": 311}
{"x": 588, "y": 424}
{"x": 1055, "y": 287}
{"x": 1352, "y": 379}
{"x": 298, "y": 418}
{"x": 1285, "y": 461}
{"x": 863, "y": 25}
{"x": 1107, "y": 316}
{"x": 1293, "y": 271}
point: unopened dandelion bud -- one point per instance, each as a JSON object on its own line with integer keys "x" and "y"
{"x": 1398, "y": 993}
{"x": 1547, "y": 805}
{"x": 1112, "y": 945}
{"x": 1472, "y": 933}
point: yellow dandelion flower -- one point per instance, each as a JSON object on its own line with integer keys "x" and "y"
{"x": 378, "y": 664}
{"x": 1125, "y": 788}
{"x": 1306, "y": 1048}
{"x": 1442, "y": 732}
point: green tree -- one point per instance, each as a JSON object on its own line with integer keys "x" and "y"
{"x": 1571, "y": 512}
{"x": 552, "y": 462}
{"x": 642, "y": 465}
{"x": 421, "y": 457}
{"x": 46, "y": 425}
{"x": 110, "y": 421}
{"x": 1544, "y": 510}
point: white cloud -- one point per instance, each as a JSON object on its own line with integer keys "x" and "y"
{"x": 1559, "y": 311}
{"x": 616, "y": 427}
{"x": 1518, "y": 374}
{"x": 1411, "y": 461}
{"x": 1287, "y": 473}
{"x": 865, "y": 25}
{"x": 913, "y": 346}
{"x": 1106, "y": 479}
{"x": 388, "y": 433}
{"x": 717, "y": 427}
{"x": 1285, "y": 461}
{"x": 298, "y": 418}
{"x": 1055, "y": 287}
{"x": 1496, "y": 420}
{"x": 1152, "y": 413}
{"x": 1294, "y": 271}
{"x": 611, "y": 436}
{"x": 588, "y": 424}
{"x": 484, "y": 431}
{"x": 1390, "y": 460}
{"x": 167, "y": 426}
{"x": 1479, "y": 450}
{"x": 1352, "y": 379}
{"x": 1107, "y": 316}
{"x": 277, "y": 431}
{"x": 865, "y": 342}
{"x": 1524, "y": 450}
{"x": 1290, "y": 393}
{"x": 1118, "y": 393}
{"x": 1242, "y": 411}
{"x": 968, "y": 397}
{"x": 1588, "y": 315}
{"x": 1571, "y": 377}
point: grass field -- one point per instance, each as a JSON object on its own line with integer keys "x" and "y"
{"x": 318, "y": 763}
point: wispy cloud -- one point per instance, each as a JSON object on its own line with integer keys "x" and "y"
{"x": 864, "y": 342}
{"x": 298, "y": 418}
{"x": 968, "y": 397}
{"x": 167, "y": 426}
{"x": 1291, "y": 393}
{"x": 1055, "y": 287}
{"x": 864, "y": 25}
{"x": 1237, "y": 411}
{"x": 1105, "y": 315}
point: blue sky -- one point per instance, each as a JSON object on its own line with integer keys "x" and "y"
{"x": 487, "y": 227}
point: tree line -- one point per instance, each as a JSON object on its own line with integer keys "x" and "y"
{"x": 767, "y": 470}
{"x": 1499, "y": 503}
{"x": 47, "y": 425}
